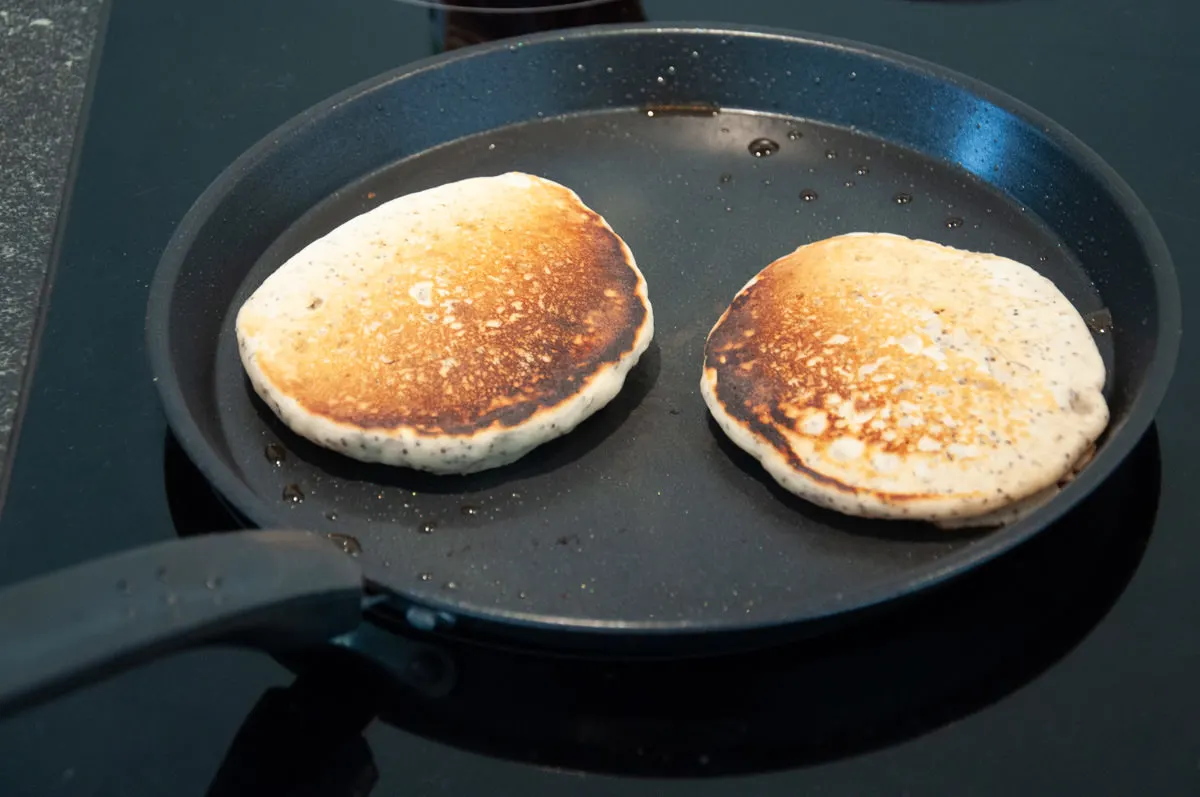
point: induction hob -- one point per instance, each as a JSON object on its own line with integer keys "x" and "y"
{"x": 1065, "y": 667}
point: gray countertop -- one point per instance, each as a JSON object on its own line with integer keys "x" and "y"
{"x": 46, "y": 49}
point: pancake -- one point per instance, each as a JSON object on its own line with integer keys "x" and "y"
{"x": 1018, "y": 510}
{"x": 450, "y": 330}
{"x": 887, "y": 377}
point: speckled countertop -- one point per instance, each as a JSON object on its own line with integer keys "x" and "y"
{"x": 45, "y": 52}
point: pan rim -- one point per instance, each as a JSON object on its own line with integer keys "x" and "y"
{"x": 1121, "y": 440}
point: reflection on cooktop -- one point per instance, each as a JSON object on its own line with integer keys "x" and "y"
{"x": 890, "y": 677}
{"x": 466, "y": 22}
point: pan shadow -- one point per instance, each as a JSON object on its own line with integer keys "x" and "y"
{"x": 931, "y": 661}
{"x": 897, "y": 530}
{"x": 549, "y": 457}
{"x": 193, "y": 503}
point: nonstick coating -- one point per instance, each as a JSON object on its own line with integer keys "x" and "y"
{"x": 646, "y": 519}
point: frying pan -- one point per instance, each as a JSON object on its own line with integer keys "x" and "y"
{"x": 642, "y": 533}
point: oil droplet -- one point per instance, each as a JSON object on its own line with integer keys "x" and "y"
{"x": 726, "y": 178}
{"x": 808, "y": 195}
{"x": 275, "y": 454}
{"x": 293, "y": 493}
{"x": 451, "y": 585}
{"x": 1100, "y": 322}
{"x": 853, "y": 75}
{"x": 427, "y": 527}
{"x": 862, "y": 171}
{"x": 670, "y": 70}
{"x": 953, "y": 222}
{"x": 331, "y": 515}
{"x": 426, "y": 576}
{"x": 214, "y": 582}
{"x": 522, "y": 595}
{"x": 795, "y": 135}
{"x": 902, "y": 198}
{"x": 581, "y": 67}
{"x": 660, "y": 80}
{"x": 830, "y": 154}
{"x": 763, "y": 147}
{"x": 349, "y": 544}
{"x": 849, "y": 183}
{"x": 468, "y": 510}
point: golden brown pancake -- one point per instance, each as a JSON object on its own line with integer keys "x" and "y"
{"x": 888, "y": 377}
{"x": 450, "y": 330}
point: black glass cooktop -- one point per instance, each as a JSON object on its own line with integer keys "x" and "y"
{"x": 1068, "y": 667}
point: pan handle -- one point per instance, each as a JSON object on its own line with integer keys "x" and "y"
{"x": 267, "y": 589}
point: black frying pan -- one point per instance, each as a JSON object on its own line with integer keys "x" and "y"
{"x": 644, "y": 531}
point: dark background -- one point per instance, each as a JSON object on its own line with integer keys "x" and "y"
{"x": 183, "y": 87}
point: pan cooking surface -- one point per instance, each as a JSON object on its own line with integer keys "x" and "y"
{"x": 645, "y": 514}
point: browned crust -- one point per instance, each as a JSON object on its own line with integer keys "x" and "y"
{"x": 544, "y": 296}
{"x": 765, "y": 421}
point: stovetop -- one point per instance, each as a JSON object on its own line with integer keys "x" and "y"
{"x": 1066, "y": 667}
